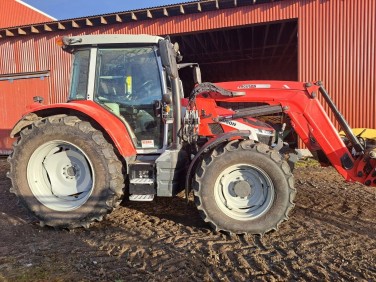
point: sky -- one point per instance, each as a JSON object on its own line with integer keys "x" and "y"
{"x": 67, "y": 9}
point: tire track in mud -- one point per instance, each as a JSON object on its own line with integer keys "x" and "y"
{"x": 330, "y": 236}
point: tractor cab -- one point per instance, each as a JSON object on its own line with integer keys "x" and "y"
{"x": 124, "y": 75}
{"x": 135, "y": 79}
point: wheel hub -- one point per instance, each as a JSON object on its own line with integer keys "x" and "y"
{"x": 242, "y": 189}
{"x": 71, "y": 171}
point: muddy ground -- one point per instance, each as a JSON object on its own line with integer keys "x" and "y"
{"x": 331, "y": 235}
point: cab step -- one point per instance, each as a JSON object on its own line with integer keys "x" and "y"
{"x": 141, "y": 198}
{"x": 142, "y": 181}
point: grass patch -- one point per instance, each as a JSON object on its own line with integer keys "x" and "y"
{"x": 308, "y": 162}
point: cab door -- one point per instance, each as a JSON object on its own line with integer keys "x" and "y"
{"x": 129, "y": 84}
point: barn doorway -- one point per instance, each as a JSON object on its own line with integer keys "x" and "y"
{"x": 267, "y": 51}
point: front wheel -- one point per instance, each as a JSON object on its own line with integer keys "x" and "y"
{"x": 244, "y": 187}
{"x": 65, "y": 172}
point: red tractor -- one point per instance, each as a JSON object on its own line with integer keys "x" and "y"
{"x": 128, "y": 128}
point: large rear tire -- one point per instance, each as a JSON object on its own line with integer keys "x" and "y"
{"x": 65, "y": 172}
{"x": 244, "y": 187}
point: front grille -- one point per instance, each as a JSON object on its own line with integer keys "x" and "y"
{"x": 216, "y": 128}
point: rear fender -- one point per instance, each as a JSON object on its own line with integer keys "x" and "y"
{"x": 90, "y": 111}
{"x": 212, "y": 143}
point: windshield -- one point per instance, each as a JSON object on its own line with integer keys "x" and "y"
{"x": 128, "y": 82}
{"x": 80, "y": 74}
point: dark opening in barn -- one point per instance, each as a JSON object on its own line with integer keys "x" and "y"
{"x": 255, "y": 52}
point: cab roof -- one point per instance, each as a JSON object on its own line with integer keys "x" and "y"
{"x": 104, "y": 39}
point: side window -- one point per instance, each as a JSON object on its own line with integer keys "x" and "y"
{"x": 80, "y": 73}
{"x": 129, "y": 75}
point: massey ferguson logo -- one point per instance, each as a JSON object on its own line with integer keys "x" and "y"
{"x": 249, "y": 86}
{"x": 229, "y": 122}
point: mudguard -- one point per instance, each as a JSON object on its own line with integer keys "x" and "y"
{"x": 212, "y": 143}
{"x": 110, "y": 124}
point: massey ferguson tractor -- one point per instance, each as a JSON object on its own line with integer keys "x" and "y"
{"x": 128, "y": 129}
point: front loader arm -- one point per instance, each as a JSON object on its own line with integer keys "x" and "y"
{"x": 358, "y": 165}
{"x": 312, "y": 124}
{"x": 310, "y": 121}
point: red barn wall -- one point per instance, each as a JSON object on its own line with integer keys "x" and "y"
{"x": 14, "y": 100}
{"x": 337, "y": 42}
{"x": 14, "y": 13}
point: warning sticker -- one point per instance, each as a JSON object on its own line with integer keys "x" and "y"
{"x": 147, "y": 143}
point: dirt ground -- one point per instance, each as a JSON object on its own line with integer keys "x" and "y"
{"x": 331, "y": 235}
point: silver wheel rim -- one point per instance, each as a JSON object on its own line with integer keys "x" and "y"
{"x": 244, "y": 192}
{"x": 60, "y": 175}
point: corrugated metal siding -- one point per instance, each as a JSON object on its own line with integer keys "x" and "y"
{"x": 7, "y": 57}
{"x": 38, "y": 54}
{"x": 336, "y": 44}
{"x": 16, "y": 14}
{"x": 15, "y": 96}
{"x": 337, "y": 41}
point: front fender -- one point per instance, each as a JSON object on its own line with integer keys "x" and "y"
{"x": 110, "y": 123}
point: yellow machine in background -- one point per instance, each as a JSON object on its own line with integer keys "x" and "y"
{"x": 365, "y": 133}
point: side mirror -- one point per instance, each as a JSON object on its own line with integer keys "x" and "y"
{"x": 169, "y": 53}
{"x": 197, "y": 75}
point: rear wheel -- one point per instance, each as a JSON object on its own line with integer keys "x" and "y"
{"x": 65, "y": 172}
{"x": 244, "y": 187}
